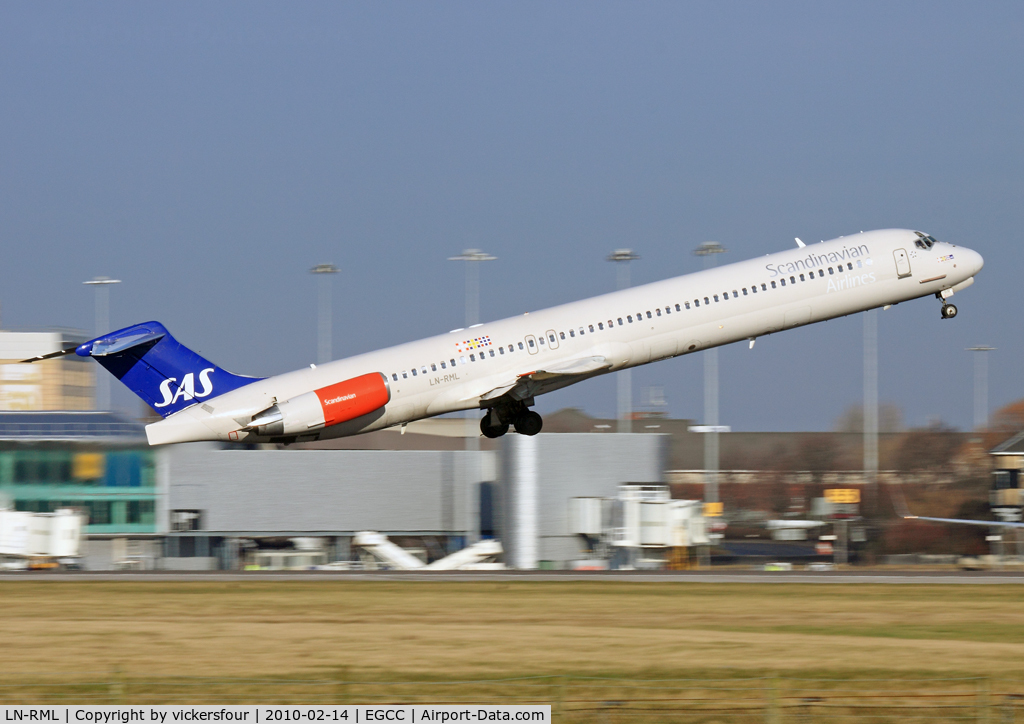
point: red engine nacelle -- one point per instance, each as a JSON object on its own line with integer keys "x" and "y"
{"x": 323, "y": 407}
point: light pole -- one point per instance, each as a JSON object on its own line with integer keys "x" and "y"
{"x": 622, "y": 257}
{"x": 472, "y": 257}
{"x": 102, "y": 287}
{"x": 324, "y": 353}
{"x": 871, "y": 405}
{"x": 710, "y": 250}
{"x": 472, "y": 282}
{"x": 980, "y": 385}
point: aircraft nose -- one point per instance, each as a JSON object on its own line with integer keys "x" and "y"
{"x": 974, "y": 261}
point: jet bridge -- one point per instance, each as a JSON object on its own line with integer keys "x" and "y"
{"x": 479, "y": 556}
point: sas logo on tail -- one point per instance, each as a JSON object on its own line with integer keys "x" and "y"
{"x": 186, "y": 389}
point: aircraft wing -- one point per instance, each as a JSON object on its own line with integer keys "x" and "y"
{"x": 529, "y": 384}
{"x": 964, "y": 521}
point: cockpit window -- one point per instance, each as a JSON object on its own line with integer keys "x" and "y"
{"x": 924, "y": 241}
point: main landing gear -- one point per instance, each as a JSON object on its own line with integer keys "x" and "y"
{"x": 498, "y": 419}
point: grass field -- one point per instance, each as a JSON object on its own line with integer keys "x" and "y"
{"x": 422, "y": 631}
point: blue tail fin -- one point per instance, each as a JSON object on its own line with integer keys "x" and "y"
{"x": 158, "y": 368}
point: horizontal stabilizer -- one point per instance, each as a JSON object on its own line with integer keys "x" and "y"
{"x": 51, "y": 355}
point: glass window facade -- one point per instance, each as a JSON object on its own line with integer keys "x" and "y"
{"x": 114, "y": 488}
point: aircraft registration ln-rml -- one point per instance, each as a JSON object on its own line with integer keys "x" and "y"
{"x": 501, "y": 367}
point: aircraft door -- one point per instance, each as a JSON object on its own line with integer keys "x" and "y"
{"x": 902, "y": 263}
{"x": 531, "y": 344}
{"x": 552, "y": 338}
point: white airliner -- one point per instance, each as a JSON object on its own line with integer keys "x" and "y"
{"x": 501, "y": 367}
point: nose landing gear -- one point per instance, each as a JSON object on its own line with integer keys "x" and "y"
{"x": 948, "y": 310}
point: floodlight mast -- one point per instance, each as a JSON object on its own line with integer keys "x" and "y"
{"x": 981, "y": 385}
{"x": 709, "y": 251}
{"x": 472, "y": 257}
{"x": 324, "y": 351}
{"x": 624, "y": 378}
{"x": 472, "y": 282}
{"x": 102, "y": 286}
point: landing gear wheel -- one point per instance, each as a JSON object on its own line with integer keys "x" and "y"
{"x": 492, "y": 431}
{"x": 529, "y": 423}
{"x": 948, "y": 311}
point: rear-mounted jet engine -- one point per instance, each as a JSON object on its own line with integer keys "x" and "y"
{"x": 324, "y": 407}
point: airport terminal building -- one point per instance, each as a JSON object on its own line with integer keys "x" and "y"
{"x": 206, "y": 506}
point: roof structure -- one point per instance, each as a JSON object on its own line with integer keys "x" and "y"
{"x": 1013, "y": 446}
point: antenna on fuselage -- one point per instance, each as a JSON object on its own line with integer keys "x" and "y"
{"x": 800, "y": 243}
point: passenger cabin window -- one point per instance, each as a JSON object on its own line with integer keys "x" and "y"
{"x": 802, "y": 278}
{"x": 735, "y": 294}
{"x": 561, "y": 335}
{"x": 433, "y": 367}
{"x": 764, "y": 287}
{"x": 744, "y": 291}
{"x": 405, "y": 375}
{"x": 783, "y": 282}
{"x": 394, "y": 376}
{"x": 849, "y": 266}
{"x": 581, "y": 331}
{"x": 414, "y": 372}
{"x": 687, "y": 304}
{"x": 649, "y": 316}
{"x": 696, "y": 302}
{"x": 792, "y": 280}
{"x": 490, "y": 352}
{"x": 521, "y": 345}
{"x": 600, "y": 325}
{"x": 529, "y": 342}
{"x": 472, "y": 358}
{"x": 658, "y": 311}
{"x": 453, "y": 362}
{"x": 716, "y": 297}
{"x": 707, "y": 301}
{"x": 620, "y": 321}
{"x": 443, "y": 366}
{"x": 572, "y": 332}
{"x": 590, "y": 327}
{"x": 629, "y": 318}
{"x": 462, "y": 360}
{"x": 552, "y": 338}
{"x": 540, "y": 339}
{"x": 679, "y": 310}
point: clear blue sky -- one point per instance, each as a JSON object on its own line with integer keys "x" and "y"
{"x": 208, "y": 154}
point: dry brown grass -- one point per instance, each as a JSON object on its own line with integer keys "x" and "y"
{"x": 412, "y": 630}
